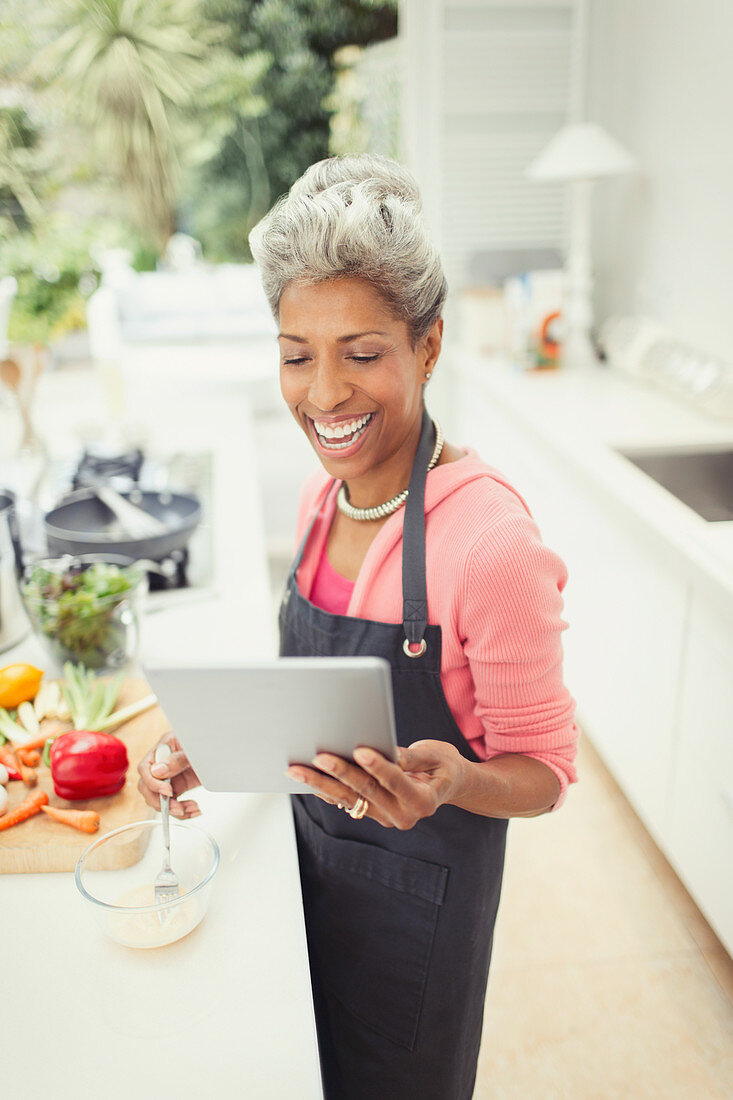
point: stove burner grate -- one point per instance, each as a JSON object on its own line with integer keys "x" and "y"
{"x": 107, "y": 466}
{"x": 173, "y": 572}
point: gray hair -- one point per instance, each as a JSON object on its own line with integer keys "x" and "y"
{"x": 358, "y": 216}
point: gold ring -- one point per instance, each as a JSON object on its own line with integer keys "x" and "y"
{"x": 359, "y": 808}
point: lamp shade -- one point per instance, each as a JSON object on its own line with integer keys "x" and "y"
{"x": 581, "y": 151}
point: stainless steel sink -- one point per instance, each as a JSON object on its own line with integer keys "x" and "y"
{"x": 700, "y": 477}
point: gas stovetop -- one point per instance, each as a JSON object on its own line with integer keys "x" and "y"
{"x": 122, "y": 467}
{"x": 191, "y": 568}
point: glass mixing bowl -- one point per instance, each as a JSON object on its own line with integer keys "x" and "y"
{"x": 116, "y": 876}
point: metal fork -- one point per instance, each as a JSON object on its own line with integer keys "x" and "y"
{"x": 166, "y": 883}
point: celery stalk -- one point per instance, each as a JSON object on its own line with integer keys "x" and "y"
{"x": 12, "y": 731}
{"x": 90, "y": 698}
{"x": 126, "y": 713}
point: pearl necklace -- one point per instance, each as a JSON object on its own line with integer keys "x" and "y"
{"x": 379, "y": 511}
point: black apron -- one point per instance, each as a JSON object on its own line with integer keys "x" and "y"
{"x": 399, "y": 923}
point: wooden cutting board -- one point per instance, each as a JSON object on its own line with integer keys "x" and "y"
{"x": 41, "y": 844}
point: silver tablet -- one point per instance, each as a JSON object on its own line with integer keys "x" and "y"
{"x": 241, "y": 726}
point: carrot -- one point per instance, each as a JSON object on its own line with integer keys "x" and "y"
{"x": 28, "y": 775}
{"x": 9, "y": 758}
{"x": 31, "y": 746}
{"x": 30, "y": 805}
{"x": 52, "y": 729}
{"x": 86, "y": 820}
{"x": 30, "y": 757}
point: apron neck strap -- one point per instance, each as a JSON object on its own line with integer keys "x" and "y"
{"x": 295, "y": 565}
{"x": 414, "y": 585}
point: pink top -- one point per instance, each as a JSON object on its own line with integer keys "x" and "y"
{"x": 330, "y": 590}
{"x": 494, "y": 588}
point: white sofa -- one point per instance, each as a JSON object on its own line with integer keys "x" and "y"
{"x": 207, "y": 326}
{"x": 208, "y": 303}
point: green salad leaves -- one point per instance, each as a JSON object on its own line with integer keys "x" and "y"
{"x": 83, "y": 613}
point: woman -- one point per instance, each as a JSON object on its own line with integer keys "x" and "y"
{"x": 401, "y": 863}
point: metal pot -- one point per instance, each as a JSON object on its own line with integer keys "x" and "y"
{"x": 14, "y": 623}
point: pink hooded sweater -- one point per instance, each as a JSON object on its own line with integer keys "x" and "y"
{"x": 494, "y": 589}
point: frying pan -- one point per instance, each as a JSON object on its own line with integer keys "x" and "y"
{"x": 82, "y": 524}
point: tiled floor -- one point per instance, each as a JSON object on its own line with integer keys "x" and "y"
{"x": 606, "y": 981}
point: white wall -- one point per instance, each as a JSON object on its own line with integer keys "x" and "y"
{"x": 660, "y": 78}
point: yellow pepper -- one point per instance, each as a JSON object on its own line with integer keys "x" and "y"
{"x": 18, "y": 684}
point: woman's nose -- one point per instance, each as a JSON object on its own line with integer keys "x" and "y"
{"x": 328, "y": 386}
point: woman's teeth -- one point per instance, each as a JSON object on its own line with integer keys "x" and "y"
{"x": 337, "y": 436}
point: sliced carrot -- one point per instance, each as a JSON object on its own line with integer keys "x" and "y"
{"x": 86, "y": 820}
{"x": 31, "y": 804}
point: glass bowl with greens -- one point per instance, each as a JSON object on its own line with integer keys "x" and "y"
{"x": 86, "y": 609}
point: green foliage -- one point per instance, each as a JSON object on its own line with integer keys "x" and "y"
{"x": 56, "y": 274}
{"x": 48, "y": 303}
{"x": 260, "y": 158}
{"x": 20, "y": 168}
{"x": 145, "y": 257}
{"x": 168, "y": 114}
{"x": 142, "y": 74}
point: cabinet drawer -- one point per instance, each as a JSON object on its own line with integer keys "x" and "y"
{"x": 700, "y": 842}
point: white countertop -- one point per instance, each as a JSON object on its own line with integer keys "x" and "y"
{"x": 227, "y": 1010}
{"x": 584, "y": 415}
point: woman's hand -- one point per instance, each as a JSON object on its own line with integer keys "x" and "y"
{"x": 428, "y": 774}
{"x": 172, "y": 778}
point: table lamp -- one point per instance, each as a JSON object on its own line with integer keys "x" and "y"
{"x": 579, "y": 154}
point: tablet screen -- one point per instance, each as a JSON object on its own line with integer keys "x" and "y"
{"x": 241, "y": 726}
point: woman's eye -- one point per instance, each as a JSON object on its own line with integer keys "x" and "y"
{"x": 296, "y": 361}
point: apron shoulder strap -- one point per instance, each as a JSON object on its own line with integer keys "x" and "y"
{"x": 414, "y": 584}
{"x": 304, "y": 541}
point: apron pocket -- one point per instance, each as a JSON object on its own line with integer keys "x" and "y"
{"x": 371, "y": 916}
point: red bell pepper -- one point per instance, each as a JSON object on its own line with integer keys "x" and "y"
{"x": 87, "y": 764}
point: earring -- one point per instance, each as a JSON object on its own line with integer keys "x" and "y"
{"x": 427, "y": 374}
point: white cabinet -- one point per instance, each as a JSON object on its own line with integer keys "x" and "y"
{"x": 701, "y": 806}
{"x": 623, "y": 653}
{"x": 649, "y": 649}
{"x": 625, "y": 607}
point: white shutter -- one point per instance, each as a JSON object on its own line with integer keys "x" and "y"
{"x": 497, "y": 88}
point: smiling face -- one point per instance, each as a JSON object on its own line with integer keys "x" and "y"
{"x": 354, "y": 383}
